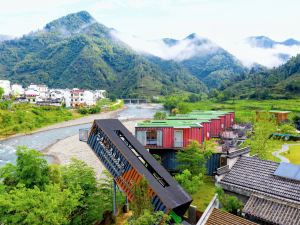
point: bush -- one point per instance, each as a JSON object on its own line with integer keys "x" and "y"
{"x": 229, "y": 203}
{"x": 160, "y": 115}
{"x": 190, "y": 183}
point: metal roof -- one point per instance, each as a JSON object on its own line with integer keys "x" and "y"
{"x": 217, "y": 112}
{"x": 279, "y": 111}
{"x": 288, "y": 170}
{"x": 193, "y": 117}
{"x": 170, "y": 123}
{"x": 172, "y": 195}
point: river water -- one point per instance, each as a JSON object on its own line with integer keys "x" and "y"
{"x": 42, "y": 140}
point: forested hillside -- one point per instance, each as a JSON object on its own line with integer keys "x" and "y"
{"x": 207, "y": 61}
{"x": 281, "y": 82}
{"x": 76, "y": 51}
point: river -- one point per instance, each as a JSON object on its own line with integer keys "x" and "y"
{"x": 44, "y": 139}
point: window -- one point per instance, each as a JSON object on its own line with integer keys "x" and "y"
{"x": 141, "y": 136}
{"x": 151, "y": 137}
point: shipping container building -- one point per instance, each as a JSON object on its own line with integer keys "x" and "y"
{"x": 169, "y": 134}
{"x": 227, "y": 116}
{"x": 214, "y": 121}
{"x": 279, "y": 116}
{"x": 128, "y": 161}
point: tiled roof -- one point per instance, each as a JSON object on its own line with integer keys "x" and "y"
{"x": 234, "y": 153}
{"x": 223, "y": 170}
{"x": 257, "y": 176}
{"x": 218, "y": 217}
{"x": 272, "y": 211}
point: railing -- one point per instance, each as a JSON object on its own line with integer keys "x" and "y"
{"x": 214, "y": 203}
{"x": 151, "y": 142}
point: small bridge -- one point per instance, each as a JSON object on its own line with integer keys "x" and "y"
{"x": 135, "y": 101}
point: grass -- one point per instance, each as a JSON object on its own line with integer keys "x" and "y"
{"x": 204, "y": 195}
{"x": 277, "y": 144}
{"x": 293, "y": 154}
{"x": 25, "y": 117}
{"x": 244, "y": 109}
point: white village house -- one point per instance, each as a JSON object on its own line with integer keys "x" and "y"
{"x": 17, "y": 90}
{"x": 5, "y": 84}
{"x": 42, "y": 95}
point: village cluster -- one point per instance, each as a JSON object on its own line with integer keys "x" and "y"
{"x": 42, "y": 95}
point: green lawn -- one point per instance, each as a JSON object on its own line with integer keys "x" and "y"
{"x": 293, "y": 154}
{"x": 244, "y": 109}
{"x": 204, "y": 195}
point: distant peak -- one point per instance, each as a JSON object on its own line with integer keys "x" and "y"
{"x": 192, "y": 36}
{"x": 71, "y": 22}
{"x": 290, "y": 42}
{"x": 261, "y": 42}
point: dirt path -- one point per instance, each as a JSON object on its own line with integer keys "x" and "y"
{"x": 284, "y": 148}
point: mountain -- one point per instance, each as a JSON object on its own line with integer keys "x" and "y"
{"x": 205, "y": 60}
{"x": 5, "y": 37}
{"x": 77, "y": 51}
{"x": 281, "y": 82}
{"x": 266, "y": 42}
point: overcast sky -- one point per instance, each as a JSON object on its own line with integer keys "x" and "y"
{"x": 223, "y": 21}
{"x": 215, "y": 19}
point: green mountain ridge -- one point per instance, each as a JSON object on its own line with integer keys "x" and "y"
{"x": 210, "y": 63}
{"x": 76, "y": 51}
{"x": 280, "y": 82}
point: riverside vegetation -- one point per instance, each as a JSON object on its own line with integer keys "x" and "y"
{"x": 25, "y": 117}
{"x": 33, "y": 192}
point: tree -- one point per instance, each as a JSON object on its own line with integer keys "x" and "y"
{"x": 194, "y": 98}
{"x": 34, "y": 206}
{"x": 31, "y": 169}
{"x": 143, "y": 212}
{"x": 79, "y": 176}
{"x": 141, "y": 198}
{"x": 149, "y": 218}
{"x": 31, "y": 192}
{"x": 160, "y": 115}
{"x": 1, "y": 92}
{"x": 260, "y": 141}
{"x": 190, "y": 183}
{"x": 193, "y": 158}
{"x": 287, "y": 128}
{"x": 229, "y": 203}
{"x": 171, "y": 102}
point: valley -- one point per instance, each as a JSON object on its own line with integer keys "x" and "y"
{"x": 149, "y": 113}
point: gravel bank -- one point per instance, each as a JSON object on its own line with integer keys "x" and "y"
{"x": 63, "y": 151}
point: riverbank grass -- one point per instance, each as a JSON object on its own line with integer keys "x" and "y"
{"x": 25, "y": 117}
{"x": 293, "y": 154}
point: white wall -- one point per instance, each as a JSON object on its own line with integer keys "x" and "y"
{"x": 5, "y": 84}
{"x": 88, "y": 98}
{"x": 67, "y": 98}
{"x": 17, "y": 90}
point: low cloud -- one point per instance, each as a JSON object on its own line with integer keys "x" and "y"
{"x": 187, "y": 48}
{"x": 269, "y": 57}
{"x": 182, "y": 50}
